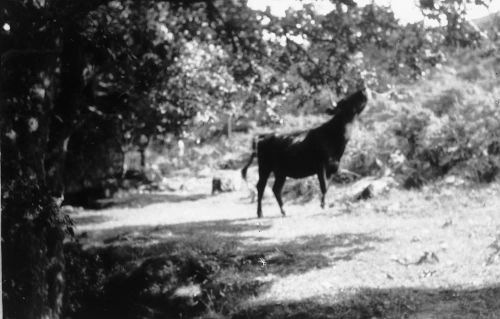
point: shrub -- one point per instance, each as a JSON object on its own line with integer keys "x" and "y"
{"x": 473, "y": 73}
{"x": 432, "y": 133}
{"x": 445, "y": 102}
{"x": 483, "y": 169}
{"x": 85, "y": 277}
{"x": 451, "y": 130}
{"x": 410, "y": 128}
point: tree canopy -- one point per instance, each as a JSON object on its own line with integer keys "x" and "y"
{"x": 84, "y": 81}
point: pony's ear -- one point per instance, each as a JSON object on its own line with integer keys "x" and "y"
{"x": 331, "y": 111}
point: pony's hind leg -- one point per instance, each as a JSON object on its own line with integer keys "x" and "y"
{"x": 261, "y": 186}
{"x": 277, "y": 188}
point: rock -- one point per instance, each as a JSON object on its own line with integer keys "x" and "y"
{"x": 450, "y": 179}
{"x": 370, "y": 187}
{"x": 365, "y": 193}
{"x": 454, "y": 180}
{"x": 188, "y": 291}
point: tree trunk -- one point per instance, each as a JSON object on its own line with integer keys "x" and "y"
{"x": 142, "y": 152}
{"x": 124, "y": 161}
{"x": 229, "y": 126}
{"x": 33, "y": 257}
{"x": 1, "y": 263}
{"x": 33, "y": 166}
{"x": 143, "y": 144}
{"x": 67, "y": 107}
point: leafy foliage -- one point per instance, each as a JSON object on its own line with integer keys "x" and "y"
{"x": 459, "y": 32}
{"x": 84, "y": 82}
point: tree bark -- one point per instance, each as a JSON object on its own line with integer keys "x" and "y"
{"x": 34, "y": 165}
{"x": 68, "y": 107}
{"x": 34, "y": 268}
{"x": 1, "y": 263}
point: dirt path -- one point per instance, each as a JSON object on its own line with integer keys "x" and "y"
{"x": 430, "y": 240}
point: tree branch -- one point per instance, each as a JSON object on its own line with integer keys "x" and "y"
{"x": 214, "y": 14}
{"x": 301, "y": 49}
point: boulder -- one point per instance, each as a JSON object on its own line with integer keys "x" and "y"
{"x": 371, "y": 187}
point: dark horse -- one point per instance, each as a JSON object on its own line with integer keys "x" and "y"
{"x": 305, "y": 153}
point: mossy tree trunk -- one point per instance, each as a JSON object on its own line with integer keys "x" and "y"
{"x": 42, "y": 99}
{"x": 32, "y": 231}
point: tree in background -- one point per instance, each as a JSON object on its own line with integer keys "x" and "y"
{"x": 458, "y": 31}
{"x": 72, "y": 69}
{"x": 83, "y": 81}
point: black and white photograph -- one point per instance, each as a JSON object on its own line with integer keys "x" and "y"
{"x": 241, "y": 159}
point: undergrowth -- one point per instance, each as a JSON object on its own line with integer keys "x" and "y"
{"x": 448, "y": 122}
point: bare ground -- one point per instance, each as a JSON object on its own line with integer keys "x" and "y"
{"x": 432, "y": 253}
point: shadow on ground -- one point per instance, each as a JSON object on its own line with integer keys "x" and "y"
{"x": 89, "y": 219}
{"x": 229, "y": 239}
{"x": 134, "y": 272}
{"x": 132, "y": 200}
{"x": 138, "y": 273}
{"x": 394, "y": 303}
{"x": 141, "y": 200}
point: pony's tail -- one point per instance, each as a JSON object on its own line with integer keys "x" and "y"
{"x": 254, "y": 153}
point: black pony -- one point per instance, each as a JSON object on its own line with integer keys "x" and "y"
{"x": 305, "y": 153}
